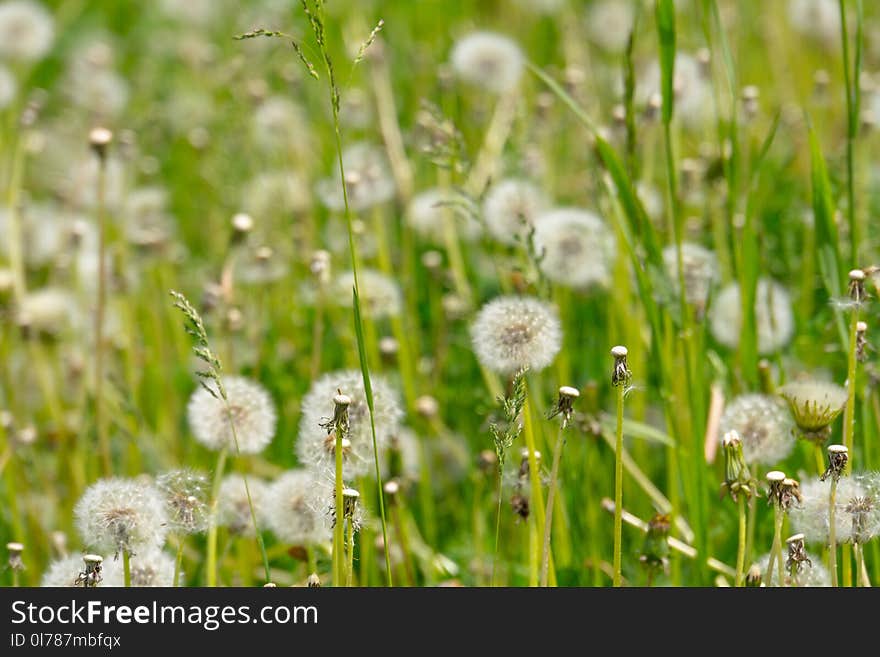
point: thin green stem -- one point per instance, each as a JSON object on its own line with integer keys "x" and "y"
{"x": 497, "y": 526}
{"x": 211, "y": 559}
{"x": 349, "y": 576}
{"x": 126, "y": 569}
{"x": 548, "y": 515}
{"x": 100, "y": 420}
{"x": 849, "y": 414}
{"x": 775, "y": 548}
{"x": 338, "y": 506}
{"x": 741, "y": 544}
{"x": 832, "y": 532}
{"x": 177, "y": 562}
{"x": 618, "y": 491}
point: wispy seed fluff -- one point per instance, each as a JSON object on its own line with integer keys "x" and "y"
{"x": 152, "y": 567}
{"x": 700, "y": 269}
{"x": 429, "y": 211}
{"x": 115, "y": 515}
{"x": 575, "y": 247}
{"x": 64, "y": 572}
{"x": 815, "y": 575}
{"x": 26, "y": 30}
{"x": 186, "y": 494}
{"x": 856, "y": 511}
{"x": 291, "y": 509}
{"x": 368, "y": 179}
{"x": 233, "y": 511}
{"x": 7, "y": 87}
{"x": 818, "y": 19}
{"x": 609, "y": 23}
{"x": 250, "y": 407}
{"x": 764, "y": 425}
{"x": 316, "y": 449}
{"x": 491, "y": 61}
{"x": 510, "y": 208}
{"x": 693, "y": 93}
{"x": 773, "y": 315}
{"x": 513, "y": 332}
{"x": 379, "y": 294}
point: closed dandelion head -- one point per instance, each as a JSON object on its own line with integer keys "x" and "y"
{"x": 511, "y": 333}
{"x": 773, "y": 316}
{"x": 368, "y": 180}
{"x": 491, "y": 61}
{"x": 429, "y": 212}
{"x": 814, "y": 405}
{"x": 700, "y": 269}
{"x": 738, "y": 479}
{"x": 290, "y": 512}
{"x": 186, "y": 495}
{"x": 250, "y": 409}
{"x": 811, "y": 574}
{"x": 116, "y": 515}
{"x": 380, "y": 295}
{"x": 510, "y": 209}
{"x": 764, "y": 427}
{"x": 151, "y": 567}
{"x": 73, "y": 570}
{"x": 27, "y": 30}
{"x": 233, "y": 511}
{"x": 315, "y": 446}
{"x": 575, "y": 248}
{"x": 856, "y": 509}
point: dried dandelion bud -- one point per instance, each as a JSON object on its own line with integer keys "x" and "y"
{"x": 753, "y": 577}
{"x": 99, "y": 140}
{"x": 838, "y": 456}
{"x": 564, "y": 404}
{"x": 861, "y": 342}
{"x": 797, "y": 555}
{"x": 15, "y": 550}
{"x": 621, "y": 375}
{"x": 857, "y": 286}
{"x": 350, "y": 499}
{"x": 314, "y": 582}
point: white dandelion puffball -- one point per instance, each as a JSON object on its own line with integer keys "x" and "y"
{"x": 510, "y": 208}
{"x": 277, "y": 125}
{"x": 609, "y": 23}
{"x": 275, "y": 192}
{"x": 49, "y": 310}
{"x": 151, "y": 567}
{"x": 64, "y": 572}
{"x": 818, "y": 19}
{"x": 291, "y": 509}
{"x": 575, "y": 247}
{"x": 488, "y": 60}
{"x": 693, "y": 93}
{"x": 773, "y": 314}
{"x": 8, "y": 87}
{"x": 764, "y": 425}
{"x": 700, "y": 270}
{"x": 145, "y": 216}
{"x": 380, "y": 295}
{"x": 368, "y": 179}
{"x": 115, "y": 515}
{"x": 186, "y": 494}
{"x": 102, "y": 92}
{"x": 26, "y": 30}
{"x": 316, "y": 448}
{"x": 513, "y": 332}
{"x": 429, "y": 211}
{"x": 233, "y": 510}
{"x": 250, "y": 408}
{"x": 403, "y": 457}
{"x": 856, "y": 509}
{"x": 812, "y": 574}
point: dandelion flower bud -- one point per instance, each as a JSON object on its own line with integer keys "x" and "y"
{"x": 116, "y": 515}
{"x": 290, "y": 510}
{"x": 814, "y": 405}
{"x": 575, "y": 247}
{"x": 488, "y": 60}
{"x": 737, "y": 478}
{"x": 511, "y": 333}
{"x": 763, "y": 425}
{"x": 233, "y": 511}
{"x": 250, "y": 410}
{"x": 26, "y": 30}
{"x": 510, "y": 209}
{"x": 316, "y": 448}
{"x": 186, "y": 495}
{"x": 380, "y": 295}
{"x": 151, "y": 567}
{"x": 773, "y": 316}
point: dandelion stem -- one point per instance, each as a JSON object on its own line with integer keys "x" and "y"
{"x": 618, "y": 490}
{"x": 832, "y": 532}
{"x": 100, "y": 421}
{"x": 776, "y": 549}
{"x": 126, "y": 569}
{"x": 349, "y": 576}
{"x": 211, "y": 565}
{"x": 497, "y": 526}
{"x": 14, "y": 244}
{"x": 741, "y": 545}
{"x": 537, "y": 497}
{"x": 857, "y": 552}
{"x": 338, "y": 506}
{"x": 548, "y": 516}
{"x": 177, "y": 562}
{"x": 849, "y": 409}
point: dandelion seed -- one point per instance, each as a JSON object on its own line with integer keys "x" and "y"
{"x": 380, "y": 295}
{"x": 290, "y": 510}
{"x": 233, "y": 511}
{"x": 510, "y": 208}
{"x": 511, "y": 333}
{"x": 116, "y": 515}
{"x": 773, "y": 316}
{"x": 488, "y": 60}
{"x": 26, "y": 30}
{"x": 151, "y": 567}
{"x": 316, "y": 449}
{"x": 574, "y": 247}
{"x": 368, "y": 180}
{"x": 856, "y": 510}
{"x": 250, "y": 408}
{"x": 700, "y": 269}
{"x": 814, "y": 405}
{"x": 186, "y": 495}
{"x": 764, "y": 426}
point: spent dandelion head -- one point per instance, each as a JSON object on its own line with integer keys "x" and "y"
{"x": 290, "y": 512}
{"x": 186, "y": 495}
{"x": 564, "y": 405}
{"x": 488, "y": 60}
{"x": 243, "y": 419}
{"x": 812, "y": 573}
{"x": 575, "y": 248}
{"x": 510, "y": 209}
{"x": 621, "y": 374}
{"x": 511, "y": 333}
{"x": 27, "y": 30}
{"x": 856, "y": 511}
{"x": 149, "y": 568}
{"x": 764, "y": 427}
{"x": 774, "y": 317}
{"x": 838, "y": 456}
{"x": 73, "y": 570}
{"x": 814, "y": 406}
{"x": 797, "y": 555}
{"x": 233, "y": 510}
{"x": 14, "y": 560}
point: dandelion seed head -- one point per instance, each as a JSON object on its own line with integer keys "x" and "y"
{"x": 488, "y": 60}
{"x": 186, "y": 494}
{"x": 49, "y": 310}
{"x": 510, "y": 333}
{"x": 773, "y": 315}
{"x": 609, "y": 23}
{"x": 150, "y": 567}
{"x": 510, "y": 208}
{"x": 290, "y": 510}
{"x": 818, "y": 19}
{"x": 368, "y": 180}
{"x": 115, "y": 515}
{"x": 233, "y": 511}
{"x": 856, "y": 510}
{"x": 278, "y": 126}
{"x": 429, "y": 211}
{"x": 316, "y": 449}
{"x": 380, "y": 295}
{"x": 693, "y": 93}
{"x": 764, "y": 426}
{"x": 251, "y": 410}
{"x": 146, "y": 219}
{"x": 700, "y": 269}
{"x": 260, "y": 265}
{"x": 27, "y": 30}
{"x": 575, "y": 247}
